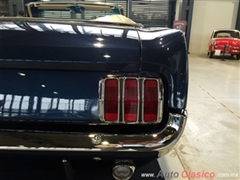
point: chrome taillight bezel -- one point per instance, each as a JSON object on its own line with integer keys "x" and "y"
{"x": 121, "y": 88}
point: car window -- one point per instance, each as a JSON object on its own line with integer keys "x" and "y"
{"x": 226, "y": 34}
{"x": 72, "y": 12}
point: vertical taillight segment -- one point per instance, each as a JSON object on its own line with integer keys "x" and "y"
{"x": 130, "y": 100}
{"x": 150, "y": 100}
{"x": 111, "y": 100}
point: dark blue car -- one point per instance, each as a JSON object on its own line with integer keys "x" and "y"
{"x": 104, "y": 88}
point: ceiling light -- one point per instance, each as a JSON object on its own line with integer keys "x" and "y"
{"x": 106, "y": 56}
{"x": 100, "y": 39}
{"x": 21, "y": 74}
{"x": 99, "y": 45}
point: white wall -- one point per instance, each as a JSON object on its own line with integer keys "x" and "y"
{"x": 178, "y": 9}
{"x": 207, "y": 16}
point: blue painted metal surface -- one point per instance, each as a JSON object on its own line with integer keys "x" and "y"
{"x": 164, "y": 52}
{"x": 51, "y": 70}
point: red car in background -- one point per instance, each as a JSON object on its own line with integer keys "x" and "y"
{"x": 224, "y": 41}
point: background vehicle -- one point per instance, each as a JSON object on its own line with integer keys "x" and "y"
{"x": 103, "y": 90}
{"x": 224, "y": 41}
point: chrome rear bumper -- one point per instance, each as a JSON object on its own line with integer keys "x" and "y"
{"x": 161, "y": 142}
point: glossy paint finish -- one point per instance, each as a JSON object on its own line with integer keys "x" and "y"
{"x": 74, "y": 46}
{"x": 164, "y": 52}
{"x": 233, "y": 45}
{"x": 33, "y": 48}
{"x": 59, "y": 95}
{"x": 54, "y": 95}
{"x": 50, "y": 72}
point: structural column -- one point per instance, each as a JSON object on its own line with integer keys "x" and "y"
{"x": 186, "y": 14}
{"x": 238, "y": 18}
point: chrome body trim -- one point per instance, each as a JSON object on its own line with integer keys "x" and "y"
{"x": 160, "y": 100}
{"x": 101, "y": 99}
{"x": 161, "y": 142}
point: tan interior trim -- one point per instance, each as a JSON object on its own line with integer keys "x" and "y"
{"x": 29, "y": 11}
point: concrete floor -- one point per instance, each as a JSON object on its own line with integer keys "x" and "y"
{"x": 211, "y": 140}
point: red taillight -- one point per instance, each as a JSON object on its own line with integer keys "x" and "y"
{"x": 111, "y": 105}
{"x": 131, "y": 100}
{"x": 130, "y": 105}
{"x": 150, "y": 105}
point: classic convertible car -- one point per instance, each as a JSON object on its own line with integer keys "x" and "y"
{"x": 224, "y": 41}
{"x": 102, "y": 88}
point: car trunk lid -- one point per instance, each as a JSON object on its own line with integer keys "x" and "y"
{"x": 76, "y": 46}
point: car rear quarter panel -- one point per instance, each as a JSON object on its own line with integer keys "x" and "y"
{"x": 164, "y": 51}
